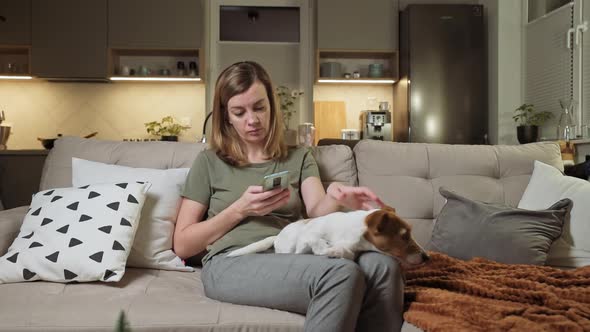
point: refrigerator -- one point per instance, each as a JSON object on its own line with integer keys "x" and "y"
{"x": 441, "y": 96}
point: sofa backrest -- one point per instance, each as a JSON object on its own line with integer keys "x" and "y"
{"x": 408, "y": 175}
{"x": 57, "y": 171}
{"x": 336, "y": 162}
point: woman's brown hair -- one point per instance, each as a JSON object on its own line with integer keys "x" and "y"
{"x": 234, "y": 80}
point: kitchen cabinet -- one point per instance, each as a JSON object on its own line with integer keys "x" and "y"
{"x": 69, "y": 39}
{"x": 171, "y": 24}
{"x": 20, "y": 175}
{"x": 15, "y": 22}
{"x": 150, "y": 39}
{"x": 156, "y": 65}
{"x": 357, "y": 25}
{"x": 15, "y": 37}
{"x": 354, "y": 67}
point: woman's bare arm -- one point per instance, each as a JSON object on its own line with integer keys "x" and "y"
{"x": 192, "y": 234}
{"x": 318, "y": 202}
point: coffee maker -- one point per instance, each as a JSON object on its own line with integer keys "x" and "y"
{"x": 377, "y": 125}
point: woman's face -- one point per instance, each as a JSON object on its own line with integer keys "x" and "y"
{"x": 249, "y": 114}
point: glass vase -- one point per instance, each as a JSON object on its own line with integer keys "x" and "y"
{"x": 566, "y": 127}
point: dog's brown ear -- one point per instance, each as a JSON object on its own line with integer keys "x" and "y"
{"x": 388, "y": 208}
{"x": 379, "y": 222}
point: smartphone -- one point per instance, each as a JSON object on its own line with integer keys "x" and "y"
{"x": 276, "y": 180}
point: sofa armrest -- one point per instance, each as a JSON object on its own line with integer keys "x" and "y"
{"x": 10, "y": 222}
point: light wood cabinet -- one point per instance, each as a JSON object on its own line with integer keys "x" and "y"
{"x": 171, "y": 24}
{"x": 69, "y": 39}
{"x": 357, "y": 25}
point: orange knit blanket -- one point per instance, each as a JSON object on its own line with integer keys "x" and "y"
{"x": 448, "y": 294}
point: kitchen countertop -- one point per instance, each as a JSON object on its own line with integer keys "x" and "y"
{"x": 23, "y": 152}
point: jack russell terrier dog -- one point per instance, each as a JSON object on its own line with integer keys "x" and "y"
{"x": 344, "y": 235}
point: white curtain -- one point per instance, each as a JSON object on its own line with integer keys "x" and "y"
{"x": 549, "y": 64}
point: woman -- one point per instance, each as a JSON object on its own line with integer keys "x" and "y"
{"x": 224, "y": 184}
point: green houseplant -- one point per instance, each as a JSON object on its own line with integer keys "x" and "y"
{"x": 167, "y": 128}
{"x": 287, "y": 98}
{"x": 528, "y": 121}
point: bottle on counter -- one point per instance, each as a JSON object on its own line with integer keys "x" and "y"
{"x": 193, "y": 70}
{"x": 180, "y": 69}
{"x": 566, "y": 127}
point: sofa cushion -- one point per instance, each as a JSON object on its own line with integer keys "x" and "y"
{"x": 76, "y": 234}
{"x": 467, "y": 228}
{"x": 153, "y": 300}
{"x": 152, "y": 247}
{"x": 57, "y": 171}
{"x": 408, "y": 176}
{"x": 548, "y": 184}
{"x": 336, "y": 164}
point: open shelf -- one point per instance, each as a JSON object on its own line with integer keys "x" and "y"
{"x": 155, "y": 65}
{"x": 351, "y": 61}
{"x": 14, "y": 62}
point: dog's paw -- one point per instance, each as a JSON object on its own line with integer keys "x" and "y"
{"x": 339, "y": 252}
{"x": 320, "y": 246}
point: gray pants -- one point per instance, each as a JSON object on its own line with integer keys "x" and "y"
{"x": 334, "y": 294}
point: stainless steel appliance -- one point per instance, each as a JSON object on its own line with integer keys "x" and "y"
{"x": 442, "y": 93}
{"x": 377, "y": 125}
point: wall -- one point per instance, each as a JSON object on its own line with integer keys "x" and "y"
{"x": 491, "y": 20}
{"x": 355, "y": 97}
{"x": 116, "y": 110}
{"x": 505, "y": 39}
{"x": 510, "y": 68}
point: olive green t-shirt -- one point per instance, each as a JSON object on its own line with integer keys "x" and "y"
{"x": 216, "y": 184}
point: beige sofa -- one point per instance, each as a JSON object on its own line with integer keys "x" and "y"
{"x": 406, "y": 176}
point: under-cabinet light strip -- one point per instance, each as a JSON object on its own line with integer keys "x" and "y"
{"x": 358, "y": 81}
{"x": 161, "y": 79}
{"x": 12, "y": 77}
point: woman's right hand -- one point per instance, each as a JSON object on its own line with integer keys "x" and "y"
{"x": 257, "y": 202}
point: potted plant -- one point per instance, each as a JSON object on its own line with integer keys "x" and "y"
{"x": 168, "y": 129}
{"x": 528, "y": 121}
{"x": 287, "y": 98}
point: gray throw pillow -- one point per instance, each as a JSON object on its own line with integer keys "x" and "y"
{"x": 466, "y": 228}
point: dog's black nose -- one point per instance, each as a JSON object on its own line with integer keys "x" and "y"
{"x": 425, "y": 257}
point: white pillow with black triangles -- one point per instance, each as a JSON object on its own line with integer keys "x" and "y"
{"x": 76, "y": 234}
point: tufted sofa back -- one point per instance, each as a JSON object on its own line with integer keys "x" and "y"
{"x": 336, "y": 162}
{"x": 57, "y": 171}
{"x": 408, "y": 175}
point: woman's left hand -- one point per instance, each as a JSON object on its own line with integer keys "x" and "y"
{"x": 354, "y": 198}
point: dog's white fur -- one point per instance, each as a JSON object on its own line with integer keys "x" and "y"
{"x": 338, "y": 234}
